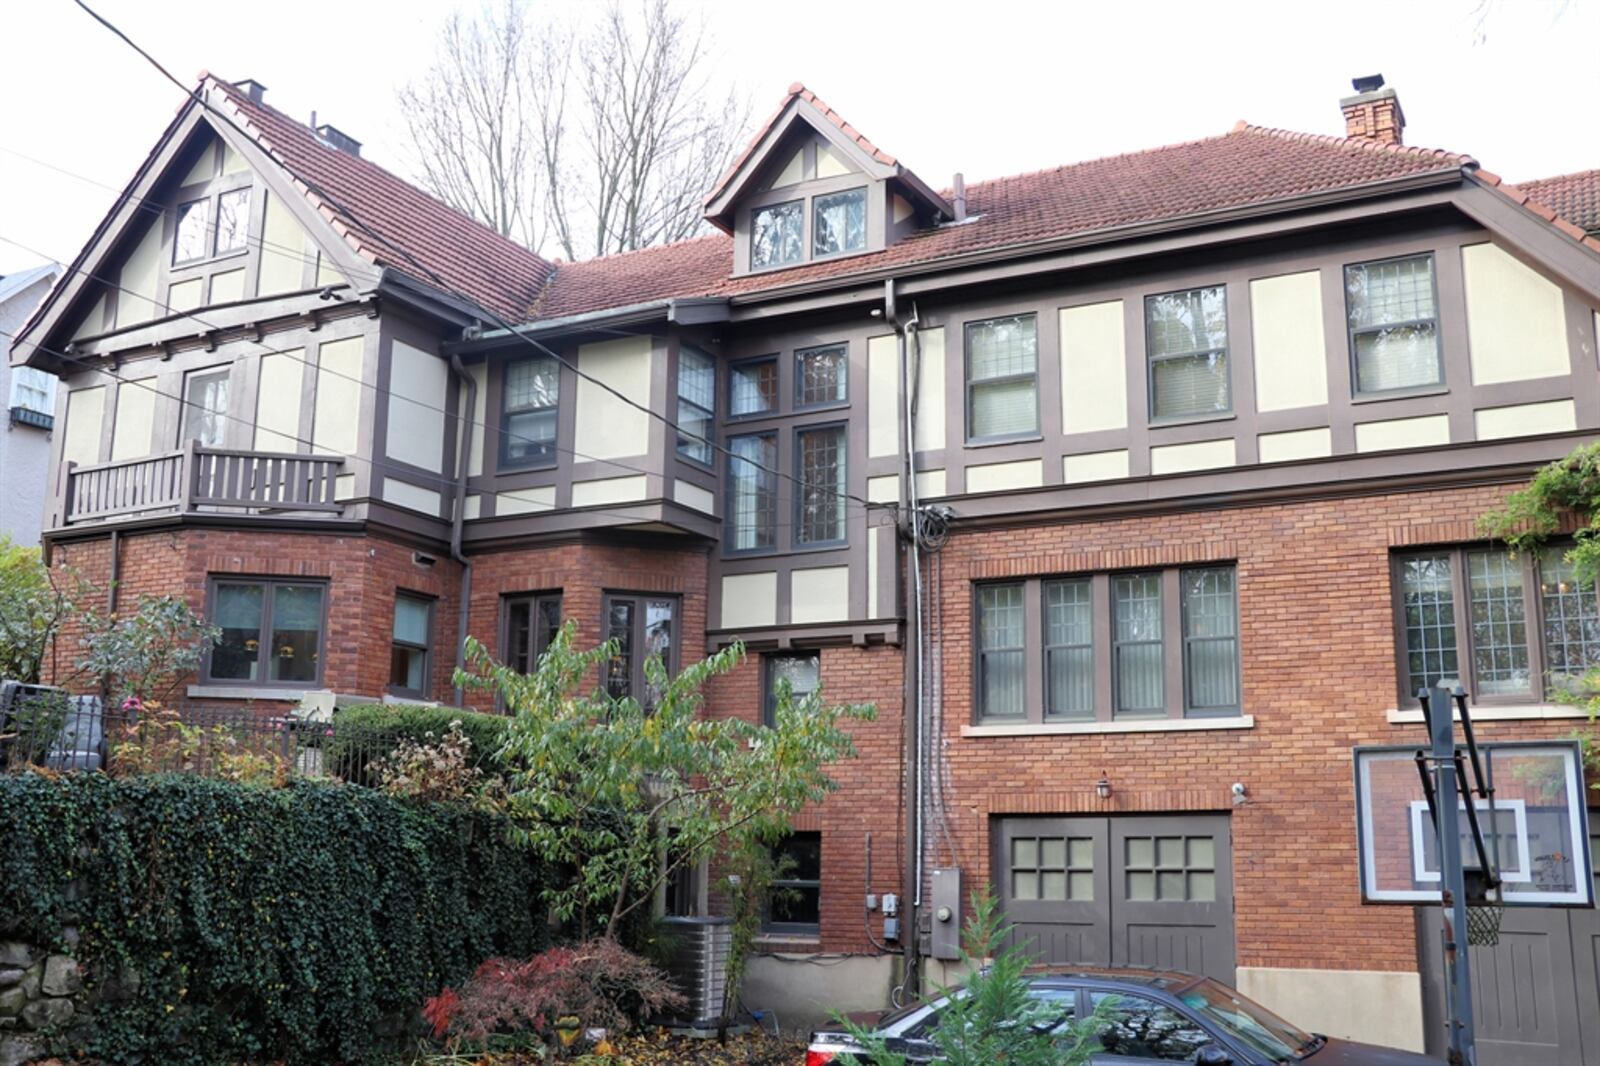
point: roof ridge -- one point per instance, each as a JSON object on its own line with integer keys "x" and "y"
{"x": 979, "y": 183}
{"x": 1365, "y": 144}
{"x": 1590, "y": 171}
{"x": 236, "y": 98}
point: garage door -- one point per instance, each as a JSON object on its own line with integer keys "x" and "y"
{"x": 1536, "y": 994}
{"x": 1134, "y": 891}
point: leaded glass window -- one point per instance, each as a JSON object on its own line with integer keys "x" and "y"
{"x": 1002, "y": 377}
{"x": 753, "y": 387}
{"x": 530, "y": 393}
{"x": 1427, "y": 596}
{"x": 820, "y": 496}
{"x": 1571, "y": 619}
{"x": 1394, "y": 325}
{"x": 697, "y": 399}
{"x": 1136, "y": 634}
{"x": 839, "y": 222}
{"x": 1211, "y": 639}
{"x": 822, "y": 375}
{"x": 1499, "y": 625}
{"x": 776, "y": 234}
{"x": 1000, "y": 651}
{"x": 1069, "y": 649}
{"x": 1186, "y": 335}
{"x": 753, "y": 492}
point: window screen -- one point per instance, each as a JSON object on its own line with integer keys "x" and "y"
{"x": 408, "y": 652}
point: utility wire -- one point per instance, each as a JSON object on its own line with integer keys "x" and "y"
{"x": 431, "y": 275}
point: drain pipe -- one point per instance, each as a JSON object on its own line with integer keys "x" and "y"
{"x": 458, "y": 517}
{"x": 916, "y": 740}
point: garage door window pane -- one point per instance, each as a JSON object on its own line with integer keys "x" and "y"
{"x": 1203, "y": 887}
{"x": 1141, "y": 885}
{"x": 1053, "y": 853}
{"x": 1025, "y": 853}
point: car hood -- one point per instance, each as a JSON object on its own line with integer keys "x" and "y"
{"x": 1352, "y": 1053}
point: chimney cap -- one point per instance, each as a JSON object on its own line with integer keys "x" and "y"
{"x": 334, "y": 137}
{"x": 1367, "y": 84}
{"x": 251, "y": 88}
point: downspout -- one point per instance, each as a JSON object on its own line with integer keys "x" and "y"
{"x": 916, "y": 741}
{"x": 459, "y": 515}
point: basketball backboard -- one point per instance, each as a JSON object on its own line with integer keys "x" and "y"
{"x": 1536, "y": 837}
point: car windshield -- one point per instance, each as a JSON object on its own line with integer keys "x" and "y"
{"x": 1250, "y": 1023}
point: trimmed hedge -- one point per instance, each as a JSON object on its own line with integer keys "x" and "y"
{"x": 370, "y": 731}
{"x": 262, "y": 924}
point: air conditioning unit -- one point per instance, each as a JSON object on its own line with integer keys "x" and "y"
{"x": 699, "y": 967}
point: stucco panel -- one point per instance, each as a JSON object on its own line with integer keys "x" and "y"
{"x": 1516, "y": 325}
{"x": 1094, "y": 466}
{"x": 606, "y": 490}
{"x": 1201, "y": 455}
{"x": 749, "y": 600}
{"x": 820, "y": 594}
{"x": 1287, "y": 340}
{"x": 86, "y": 411}
{"x": 1000, "y": 477}
{"x": 278, "y": 402}
{"x": 883, "y": 396}
{"x": 336, "y": 424}
{"x": 608, "y": 428}
{"x": 133, "y": 435}
{"x": 417, "y": 384}
{"x": 1526, "y": 419}
{"x": 1295, "y": 444}
{"x": 1094, "y": 368}
{"x": 1393, "y": 433}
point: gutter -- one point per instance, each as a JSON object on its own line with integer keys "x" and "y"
{"x": 458, "y": 517}
{"x": 686, "y": 311}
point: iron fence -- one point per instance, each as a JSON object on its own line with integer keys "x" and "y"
{"x": 52, "y": 730}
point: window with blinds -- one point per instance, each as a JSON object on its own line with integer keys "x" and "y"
{"x": 530, "y": 391}
{"x": 1002, "y": 377}
{"x": 1394, "y": 324}
{"x": 1186, "y": 336}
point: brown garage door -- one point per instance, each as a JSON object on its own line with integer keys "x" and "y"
{"x": 1132, "y": 891}
{"x": 1536, "y": 994}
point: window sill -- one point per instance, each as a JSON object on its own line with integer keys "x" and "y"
{"x": 1172, "y": 421}
{"x": 998, "y": 442}
{"x": 788, "y": 943}
{"x": 248, "y": 692}
{"x": 1139, "y": 725}
{"x": 1399, "y": 394}
{"x": 1522, "y": 712}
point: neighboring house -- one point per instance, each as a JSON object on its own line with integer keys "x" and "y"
{"x": 1196, "y": 438}
{"x": 30, "y": 412}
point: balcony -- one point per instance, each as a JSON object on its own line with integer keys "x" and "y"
{"x": 196, "y": 480}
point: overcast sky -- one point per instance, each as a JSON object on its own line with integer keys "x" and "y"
{"x": 987, "y": 88}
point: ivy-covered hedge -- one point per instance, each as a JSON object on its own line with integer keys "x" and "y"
{"x": 367, "y": 732}
{"x": 261, "y": 924}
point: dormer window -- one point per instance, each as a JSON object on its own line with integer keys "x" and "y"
{"x": 840, "y": 224}
{"x": 776, "y": 235}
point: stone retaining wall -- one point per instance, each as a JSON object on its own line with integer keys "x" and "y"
{"x": 41, "y": 994}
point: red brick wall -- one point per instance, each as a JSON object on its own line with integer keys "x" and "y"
{"x": 1318, "y": 658}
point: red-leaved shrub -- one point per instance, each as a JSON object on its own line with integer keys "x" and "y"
{"x": 598, "y": 982}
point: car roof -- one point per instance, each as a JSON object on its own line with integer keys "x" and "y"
{"x": 1162, "y": 980}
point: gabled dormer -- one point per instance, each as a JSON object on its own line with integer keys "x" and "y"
{"x": 810, "y": 187}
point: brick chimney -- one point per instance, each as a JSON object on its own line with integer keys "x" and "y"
{"x": 1373, "y": 112}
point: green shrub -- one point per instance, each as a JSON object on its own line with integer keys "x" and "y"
{"x": 262, "y": 924}
{"x": 365, "y": 733}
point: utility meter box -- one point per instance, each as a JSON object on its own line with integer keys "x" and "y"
{"x": 946, "y": 913}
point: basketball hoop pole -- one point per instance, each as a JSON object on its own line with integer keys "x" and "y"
{"x": 1457, "y": 969}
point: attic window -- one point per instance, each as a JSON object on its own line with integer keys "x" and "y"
{"x": 233, "y": 220}
{"x": 840, "y": 224}
{"x": 191, "y": 240}
{"x": 776, "y": 234}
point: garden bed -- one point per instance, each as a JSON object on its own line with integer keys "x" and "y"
{"x": 660, "y": 1048}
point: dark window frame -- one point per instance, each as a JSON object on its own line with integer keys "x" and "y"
{"x": 842, "y": 349}
{"x": 549, "y": 458}
{"x": 768, "y": 476}
{"x": 1350, "y": 331}
{"x": 796, "y": 929}
{"x": 769, "y": 694}
{"x": 426, "y": 647}
{"x": 1151, "y": 359}
{"x": 810, "y": 223}
{"x": 1542, "y": 688}
{"x": 1177, "y": 702}
{"x": 969, "y": 384}
{"x": 738, "y": 365}
{"x": 688, "y": 443}
{"x": 215, "y": 187}
{"x": 188, "y": 409}
{"x": 637, "y": 683}
{"x": 534, "y": 601}
{"x": 800, "y": 257}
{"x": 798, "y": 542}
{"x": 269, "y": 585}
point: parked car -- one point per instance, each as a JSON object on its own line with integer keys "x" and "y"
{"x": 1151, "y": 1018}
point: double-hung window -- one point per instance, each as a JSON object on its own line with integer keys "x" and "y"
{"x": 820, "y": 495}
{"x": 644, "y": 627}
{"x": 802, "y": 670}
{"x": 821, "y": 375}
{"x": 205, "y": 406}
{"x": 531, "y": 622}
{"x": 697, "y": 399}
{"x": 530, "y": 392}
{"x": 1508, "y": 628}
{"x": 272, "y": 631}
{"x": 1394, "y": 324}
{"x": 795, "y": 905}
{"x": 1186, "y": 336}
{"x": 408, "y": 649}
{"x": 753, "y": 387}
{"x": 1002, "y": 377}
{"x": 1157, "y": 643}
{"x": 753, "y": 492}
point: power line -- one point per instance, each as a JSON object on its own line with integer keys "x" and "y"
{"x": 432, "y": 275}
{"x": 378, "y": 391}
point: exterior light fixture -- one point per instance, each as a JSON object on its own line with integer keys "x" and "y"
{"x": 1102, "y": 787}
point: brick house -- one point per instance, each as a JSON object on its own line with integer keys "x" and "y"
{"x": 1134, "y": 493}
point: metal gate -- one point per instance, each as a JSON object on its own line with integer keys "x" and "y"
{"x": 1536, "y": 994}
{"x": 1131, "y": 891}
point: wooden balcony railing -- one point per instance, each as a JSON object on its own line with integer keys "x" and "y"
{"x": 196, "y": 479}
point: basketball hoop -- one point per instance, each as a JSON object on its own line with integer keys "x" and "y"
{"x": 1484, "y": 909}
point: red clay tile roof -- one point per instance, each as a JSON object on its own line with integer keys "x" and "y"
{"x": 1575, "y": 197}
{"x": 797, "y": 89}
{"x": 1249, "y": 165}
{"x": 470, "y": 258}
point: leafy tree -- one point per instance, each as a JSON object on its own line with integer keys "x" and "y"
{"x": 992, "y": 1018}
{"x": 597, "y": 783}
{"x": 33, "y": 605}
{"x": 144, "y": 655}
